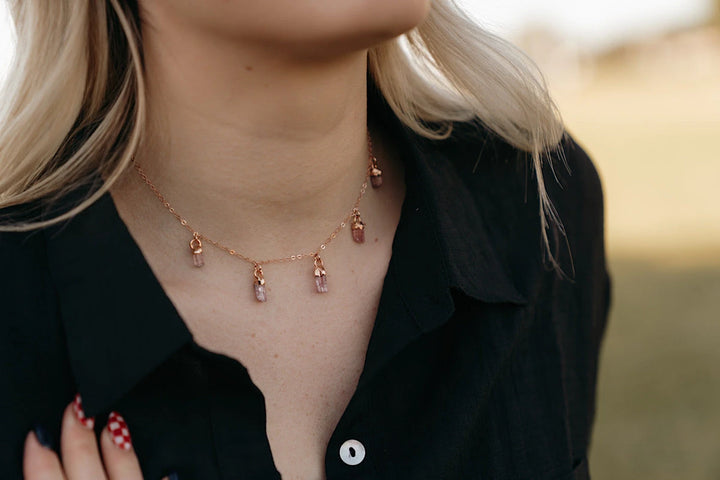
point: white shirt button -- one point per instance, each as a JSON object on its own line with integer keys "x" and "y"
{"x": 352, "y": 452}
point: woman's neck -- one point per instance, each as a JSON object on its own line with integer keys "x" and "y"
{"x": 240, "y": 138}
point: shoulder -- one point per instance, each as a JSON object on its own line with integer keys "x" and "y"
{"x": 23, "y": 252}
{"x": 575, "y": 189}
{"x": 504, "y": 184}
{"x": 568, "y": 165}
{"x": 505, "y": 176}
{"x": 19, "y": 249}
{"x": 22, "y": 255}
{"x": 569, "y": 175}
{"x": 573, "y": 175}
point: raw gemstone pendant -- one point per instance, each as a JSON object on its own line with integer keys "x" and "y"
{"x": 375, "y": 174}
{"x": 259, "y": 284}
{"x": 320, "y": 276}
{"x": 376, "y": 177}
{"x": 357, "y": 227}
{"x": 196, "y": 249}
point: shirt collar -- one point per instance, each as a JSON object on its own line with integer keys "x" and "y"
{"x": 118, "y": 333}
{"x": 471, "y": 253}
{"x": 443, "y": 245}
{"x": 113, "y": 334}
{"x": 441, "y": 176}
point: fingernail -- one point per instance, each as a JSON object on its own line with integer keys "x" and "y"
{"x": 119, "y": 430}
{"x": 173, "y": 476}
{"x": 87, "y": 422}
{"x": 42, "y": 436}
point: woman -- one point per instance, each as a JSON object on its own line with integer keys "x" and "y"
{"x": 262, "y": 239}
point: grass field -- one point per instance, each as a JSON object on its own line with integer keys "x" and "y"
{"x": 656, "y": 143}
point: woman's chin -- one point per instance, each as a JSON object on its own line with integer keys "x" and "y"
{"x": 299, "y": 27}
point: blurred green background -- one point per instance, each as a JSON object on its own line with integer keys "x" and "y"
{"x": 659, "y": 390}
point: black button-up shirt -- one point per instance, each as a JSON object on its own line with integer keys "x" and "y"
{"x": 481, "y": 364}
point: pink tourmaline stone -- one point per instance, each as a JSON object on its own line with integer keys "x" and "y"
{"x": 198, "y": 260}
{"x": 321, "y": 283}
{"x": 358, "y": 235}
{"x": 260, "y": 293}
{"x": 376, "y": 181}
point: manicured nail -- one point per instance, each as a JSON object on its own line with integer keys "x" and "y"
{"x": 87, "y": 422}
{"x": 119, "y": 430}
{"x": 42, "y": 436}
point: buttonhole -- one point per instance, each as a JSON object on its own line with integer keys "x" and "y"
{"x": 352, "y": 452}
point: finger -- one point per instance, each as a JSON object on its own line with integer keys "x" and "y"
{"x": 39, "y": 462}
{"x": 121, "y": 462}
{"x": 80, "y": 454}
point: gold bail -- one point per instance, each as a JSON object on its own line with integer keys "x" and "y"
{"x": 258, "y": 274}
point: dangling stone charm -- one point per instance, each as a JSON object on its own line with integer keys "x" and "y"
{"x": 357, "y": 227}
{"x": 196, "y": 249}
{"x": 320, "y": 275}
{"x": 259, "y": 284}
{"x": 375, "y": 174}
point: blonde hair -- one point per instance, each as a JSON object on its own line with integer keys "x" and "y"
{"x": 74, "y": 101}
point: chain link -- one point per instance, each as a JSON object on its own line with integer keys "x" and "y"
{"x": 234, "y": 253}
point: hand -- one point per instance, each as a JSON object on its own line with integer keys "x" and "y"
{"x": 80, "y": 453}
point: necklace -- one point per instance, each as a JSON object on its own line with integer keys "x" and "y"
{"x": 357, "y": 228}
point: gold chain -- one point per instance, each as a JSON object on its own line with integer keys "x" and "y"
{"x": 235, "y": 253}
